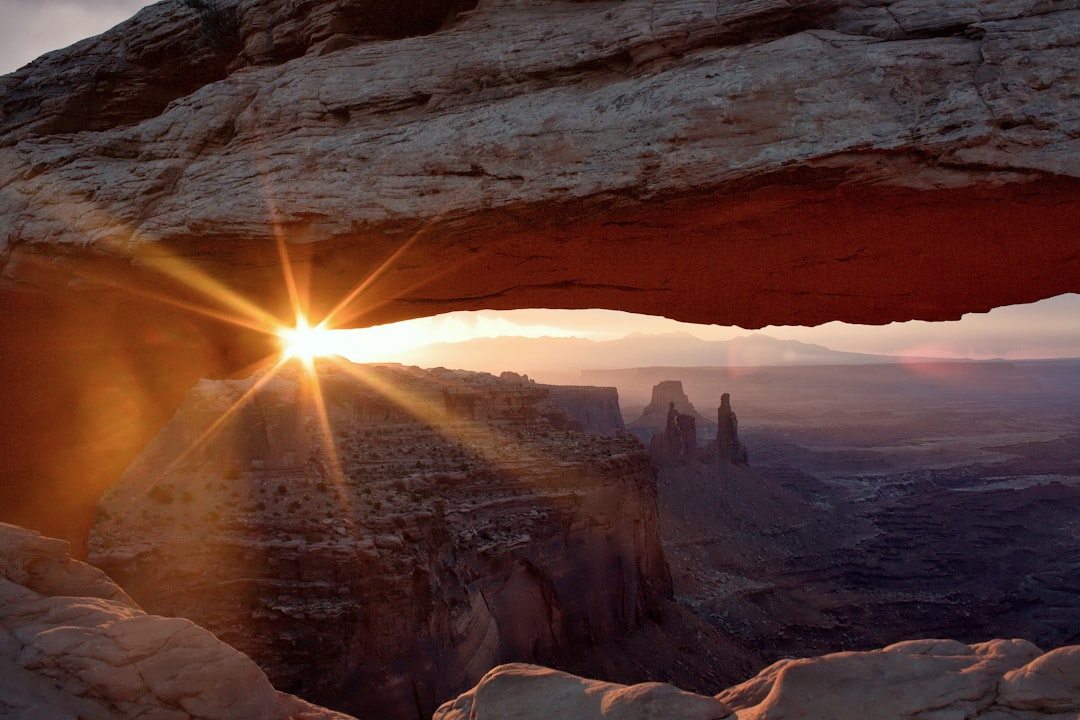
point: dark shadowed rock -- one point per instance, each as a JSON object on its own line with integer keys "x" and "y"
{"x": 677, "y": 444}
{"x": 728, "y": 446}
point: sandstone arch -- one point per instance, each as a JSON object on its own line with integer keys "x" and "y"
{"x": 726, "y": 162}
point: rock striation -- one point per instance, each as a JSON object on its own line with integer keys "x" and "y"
{"x": 73, "y": 645}
{"x": 435, "y": 524}
{"x": 527, "y": 691}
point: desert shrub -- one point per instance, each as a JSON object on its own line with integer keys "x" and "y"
{"x": 219, "y": 23}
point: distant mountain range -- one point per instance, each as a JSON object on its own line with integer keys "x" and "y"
{"x": 637, "y": 350}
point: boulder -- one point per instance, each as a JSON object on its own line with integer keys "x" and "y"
{"x": 528, "y": 692}
{"x": 67, "y": 654}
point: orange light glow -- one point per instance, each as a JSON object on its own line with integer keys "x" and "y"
{"x": 306, "y": 342}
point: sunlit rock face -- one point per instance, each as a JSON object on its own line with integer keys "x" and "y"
{"x": 74, "y": 645}
{"x": 729, "y": 162}
{"x": 999, "y": 680}
{"x": 439, "y": 523}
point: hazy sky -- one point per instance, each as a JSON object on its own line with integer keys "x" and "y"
{"x": 1047, "y": 329}
{"x": 29, "y": 28}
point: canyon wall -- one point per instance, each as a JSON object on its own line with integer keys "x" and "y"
{"x": 439, "y": 523}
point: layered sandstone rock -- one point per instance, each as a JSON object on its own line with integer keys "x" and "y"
{"x": 996, "y": 680}
{"x": 380, "y": 549}
{"x": 529, "y": 692}
{"x": 728, "y": 162}
{"x": 73, "y": 645}
{"x": 918, "y": 678}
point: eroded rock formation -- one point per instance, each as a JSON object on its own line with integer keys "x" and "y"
{"x": 838, "y": 159}
{"x": 74, "y": 645}
{"x": 442, "y": 522}
{"x": 728, "y": 445}
{"x": 677, "y": 444}
{"x": 667, "y": 395}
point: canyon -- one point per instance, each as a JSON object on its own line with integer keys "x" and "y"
{"x": 380, "y": 539}
{"x": 169, "y": 191}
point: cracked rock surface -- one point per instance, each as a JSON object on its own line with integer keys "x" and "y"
{"x": 73, "y": 645}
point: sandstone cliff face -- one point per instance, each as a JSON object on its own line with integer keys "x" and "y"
{"x": 73, "y": 645}
{"x": 448, "y": 526}
{"x": 593, "y": 410}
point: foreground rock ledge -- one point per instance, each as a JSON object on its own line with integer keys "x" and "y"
{"x": 709, "y": 160}
{"x": 998, "y": 680}
{"x": 72, "y": 644}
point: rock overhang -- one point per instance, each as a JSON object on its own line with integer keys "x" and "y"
{"x": 750, "y": 164}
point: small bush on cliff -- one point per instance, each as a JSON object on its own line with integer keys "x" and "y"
{"x": 220, "y": 23}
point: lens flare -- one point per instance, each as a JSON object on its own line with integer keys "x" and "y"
{"x": 306, "y": 342}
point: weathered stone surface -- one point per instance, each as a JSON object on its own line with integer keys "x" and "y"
{"x": 923, "y": 678}
{"x": 730, "y": 162}
{"x": 917, "y": 679}
{"x": 530, "y": 692}
{"x": 677, "y": 444}
{"x": 65, "y": 654}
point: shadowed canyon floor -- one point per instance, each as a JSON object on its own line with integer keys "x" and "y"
{"x": 881, "y": 502}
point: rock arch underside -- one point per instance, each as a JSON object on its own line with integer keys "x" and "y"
{"x": 750, "y": 163}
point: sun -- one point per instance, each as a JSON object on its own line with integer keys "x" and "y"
{"x": 306, "y": 342}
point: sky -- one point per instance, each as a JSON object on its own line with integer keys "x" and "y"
{"x": 33, "y": 27}
{"x": 1046, "y": 329}
{"x": 1050, "y": 328}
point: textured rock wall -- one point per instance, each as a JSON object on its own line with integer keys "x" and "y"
{"x": 594, "y": 410}
{"x": 390, "y": 569}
